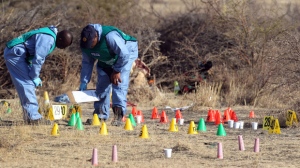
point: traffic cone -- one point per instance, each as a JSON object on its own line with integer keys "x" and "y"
{"x": 103, "y": 129}
{"x": 46, "y": 98}
{"x": 8, "y": 110}
{"x": 133, "y": 123}
{"x": 128, "y": 125}
{"x": 163, "y": 117}
{"x": 139, "y": 112}
{"x": 78, "y": 109}
{"x": 221, "y": 130}
{"x": 256, "y": 145}
{"x": 234, "y": 117}
{"x": 178, "y": 115}
{"x": 192, "y": 128}
{"x": 72, "y": 121}
{"x": 144, "y": 132}
{"x": 241, "y": 143}
{"x": 155, "y": 114}
{"x": 173, "y": 126}
{"x": 79, "y": 125}
{"x": 96, "y": 121}
{"x": 251, "y": 114}
{"x": 95, "y": 157}
{"x": 114, "y": 153}
{"x": 218, "y": 118}
{"x": 226, "y": 116}
{"x": 210, "y": 116}
{"x": 54, "y": 131}
{"x": 133, "y": 111}
{"x": 220, "y": 151}
{"x": 201, "y": 125}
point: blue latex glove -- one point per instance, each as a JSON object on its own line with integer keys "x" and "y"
{"x": 37, "y": 82}
{"x": 82, "y": 86}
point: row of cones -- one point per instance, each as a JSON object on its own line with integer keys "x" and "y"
{"x": 95, "y": 155}
{"x": 229, "y": 114}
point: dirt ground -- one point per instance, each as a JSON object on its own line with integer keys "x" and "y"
{"x": 34, "y": 146}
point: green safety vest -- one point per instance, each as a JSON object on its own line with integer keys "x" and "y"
{"x": 22, "y": 38}
{"x": 101, "y": 52}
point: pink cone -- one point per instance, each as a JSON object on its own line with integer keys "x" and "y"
{"x": 220, "y": 150}
{"x": 114, "y": 153}
{"x": 241, "y": 143}
{"x": 95, "y": 157}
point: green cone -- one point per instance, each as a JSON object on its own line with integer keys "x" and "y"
{"x": 133, "y": 123}
{"x": 79, "y": 125}
{"x": 221, "y": 130}
{"x": 72, "y": 120}
{"x": 201, "y": 125}
{"x": 8, "y": 110}
{"x": 77, "y": 114}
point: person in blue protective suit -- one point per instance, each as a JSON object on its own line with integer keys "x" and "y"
{"x": 24, "y": 57}
{"x": 115, "y": 53}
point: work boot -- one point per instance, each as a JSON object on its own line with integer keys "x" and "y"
{"x": 118, "y": 116}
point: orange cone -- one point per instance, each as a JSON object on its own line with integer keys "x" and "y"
{"x": 163, "y": 118}
{"x": 133, "y": 111}
{"x": 234, "y": 117}
{"x": 218, "y": 118}
{"x": 155, "y": 114}
{"x": 178, "y": 115}
{"x": 210, "y": 116}
{"x": 251, "y": 114}
{"x": 139, "y": 112}
{"x": 226, "y": 116}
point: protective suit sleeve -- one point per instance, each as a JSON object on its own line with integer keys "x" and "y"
{"x": 87, "y": 68}
{"x": 117, "y": 45}
{"x": 43, "y": 45}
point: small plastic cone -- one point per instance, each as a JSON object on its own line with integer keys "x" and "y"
{"x": 155, "y": 114}
{"x": 133, "y": 123}
{"x": 241, "y": 143}
{"x": 173, "y": 126}
{"x": 103, "y": 129}
{"x": 163, "y": 117}
{"x": 234, "y": 117}
{"x": 139, "y": 112}
{"x": 95, "y": 157}
{"x": 226, "y": 116}
{"x": 8, "y": 110}
{"x": 46, "y": 97}
{"x": 54, "y": 131}
{"x": 133, "y": 111}
{"x": 178, "y": 115}
{"x": 256, "y": 145}
{"x": 78, "y": 109}
{"x": 221, "y": 130}
{"x": 79, "y": 125}
{"x": 124, "y": 119}
{"x": 144, "y": 133}
{"x": 77, "y": 114}
{"x": 210, "y": 116}
{"x": 218, "y": 118}
{"x": 72, "y": 121}
{"x": 128, "y": 125}
{"x": 114, "y": 153}
{"x": 251, "y": 114}
{"x": 201, "y": 125}
{"x": 220, "y": 151}
{"x": 96, "y": 121}
{"x": 192, "y": 128}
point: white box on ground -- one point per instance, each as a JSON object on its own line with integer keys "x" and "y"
{"x": 83, "y": 96}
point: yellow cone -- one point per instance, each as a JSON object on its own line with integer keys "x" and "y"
{"x": 50, "y": 114}
{"x": 96, "y": 121}
{"x": 144, "y": 132}
{"x": 192, "y": 128}
{"x": 128, "y": 125}
{"x": 103, "y": 129}
{"x": 46, "y": 98}
{"x": 173, "y": 126}
{"x": 54, "y": 131}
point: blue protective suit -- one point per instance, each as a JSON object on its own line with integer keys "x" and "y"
{"x": 22, "y": 73}
{"x": 127, "y": 53}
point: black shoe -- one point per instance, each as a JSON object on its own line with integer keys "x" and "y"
{"x": 118, "y": 116}
{"x": 41, "y": 121}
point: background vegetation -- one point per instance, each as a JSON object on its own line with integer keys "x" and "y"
{"x": 254, "y": 46}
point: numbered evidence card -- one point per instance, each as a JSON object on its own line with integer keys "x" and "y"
{"x": 83, "y": 96}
